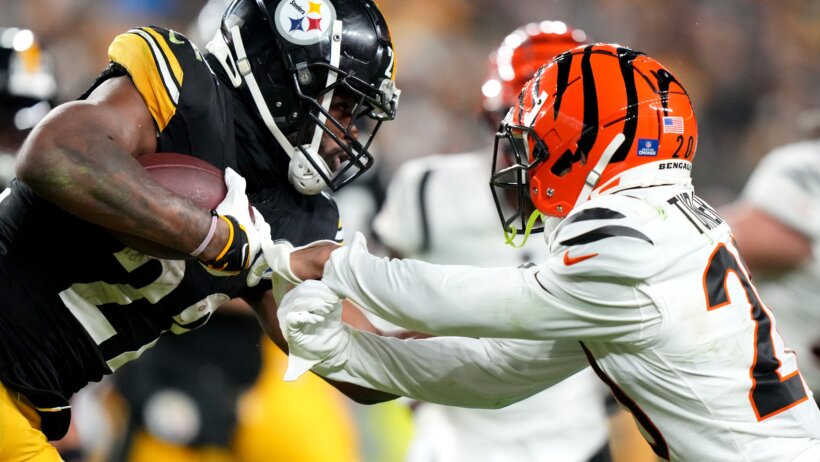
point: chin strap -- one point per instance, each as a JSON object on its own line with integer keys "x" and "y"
{"x": 335, "y": 57}
{"x": 300, "y": 172}
{"x": 595, "y": 174}
{"x": 509, "y": 236}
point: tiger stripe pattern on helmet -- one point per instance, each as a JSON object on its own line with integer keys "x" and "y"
{"x": 608, "y": 118}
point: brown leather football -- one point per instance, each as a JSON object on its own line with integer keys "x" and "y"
{"x": 187, "y": 176}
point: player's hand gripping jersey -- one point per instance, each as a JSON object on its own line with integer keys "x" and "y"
{"x": 645, "y": 285}
{"x": 77, "y": 304}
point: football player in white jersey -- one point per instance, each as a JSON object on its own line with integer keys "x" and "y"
{"x": 776, "y": 222}
{"x": 642, "y": 281}
{"x": 438, "y": 209}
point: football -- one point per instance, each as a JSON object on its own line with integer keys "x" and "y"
{"x": 187, "y": 176}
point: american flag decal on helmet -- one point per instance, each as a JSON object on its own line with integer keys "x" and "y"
{"x": 673, "y": 124}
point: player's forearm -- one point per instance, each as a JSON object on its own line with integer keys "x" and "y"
{"x": 446, "y": 370}
{"x": 437, "y": 299}
{"x": 84, "y": 172}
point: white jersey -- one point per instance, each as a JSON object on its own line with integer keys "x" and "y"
{"x": 440, "y": 209}
{"x": 786, "y": 185}
{"x": 644, "y": 284}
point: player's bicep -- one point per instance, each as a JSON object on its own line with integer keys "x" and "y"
{"x": 545, "y": 362}
{"x": 118, "y": 110}
{"x": 87, "y": 132}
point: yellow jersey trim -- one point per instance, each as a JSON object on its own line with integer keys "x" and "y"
{"x": 153, "y": 68}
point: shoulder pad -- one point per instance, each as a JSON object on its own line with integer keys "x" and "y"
{"x": 609, "y": 236}
{"x": 157, "y": 60}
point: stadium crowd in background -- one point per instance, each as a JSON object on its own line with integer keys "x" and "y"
{"x": 751, "y": 65}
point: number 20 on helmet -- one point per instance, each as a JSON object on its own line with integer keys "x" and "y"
{"x": 595, "y": 119}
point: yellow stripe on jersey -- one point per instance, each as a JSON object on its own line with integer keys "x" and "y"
{"x": 153, "y": 68}
{"x": 166, "y": 50}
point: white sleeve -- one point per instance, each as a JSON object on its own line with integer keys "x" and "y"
{"x": 785, "y": 185}
{"x": 456, "y": 371}
{"x": 523, "y": 303}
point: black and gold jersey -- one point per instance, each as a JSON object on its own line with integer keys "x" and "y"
{"x": 77, "y": 304}
{"x": 191, "y": 107}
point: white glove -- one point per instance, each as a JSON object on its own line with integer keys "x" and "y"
{"x": 246, "y": 239}
{"x": 277, "y": 261}
{"x": 259, "y": 268}
{"x": 310, "y": 317}
{"x": 281, "y": 277}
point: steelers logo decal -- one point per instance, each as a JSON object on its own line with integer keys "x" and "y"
{"x": 304, "y": 22}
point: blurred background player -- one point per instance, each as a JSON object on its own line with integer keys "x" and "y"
{"x": 776, "y": 221}
{"x": 28, "y": 89}
{"x": 439, "y": 209}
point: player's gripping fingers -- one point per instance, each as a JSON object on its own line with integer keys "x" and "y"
{"x": 311, "y": 296}
{"x": 298, "y": 320}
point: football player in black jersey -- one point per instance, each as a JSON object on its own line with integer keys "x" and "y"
{"x": 276, "y": 98}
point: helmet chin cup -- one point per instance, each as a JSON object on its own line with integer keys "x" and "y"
{"x": 303, "y": 176}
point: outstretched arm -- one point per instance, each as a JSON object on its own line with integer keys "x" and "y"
{"x": 455, "y": 371}
{"x": 486, "y": 373}
{"x": 534, "y": 303}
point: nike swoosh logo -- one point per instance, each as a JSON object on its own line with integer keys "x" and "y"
{"x": 569, "y": 261}
{"x": 172, "y": 36}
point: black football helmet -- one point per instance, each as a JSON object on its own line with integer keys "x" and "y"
{"x": 290, "y": 56}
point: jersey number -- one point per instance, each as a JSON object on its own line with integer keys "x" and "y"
{"x": 119, "y": 342}
{"x": 771, "y": 393}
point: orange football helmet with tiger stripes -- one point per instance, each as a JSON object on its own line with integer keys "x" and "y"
{"x": 597, "y": 118}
